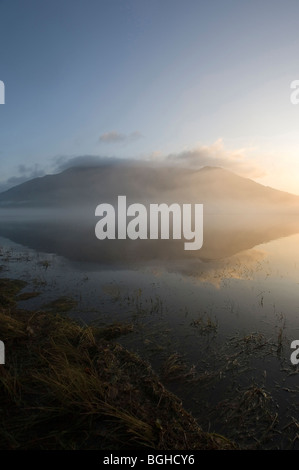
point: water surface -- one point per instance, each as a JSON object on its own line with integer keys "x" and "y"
{"x": 214, "y": 323}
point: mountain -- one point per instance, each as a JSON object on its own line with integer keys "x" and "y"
{"x": 216, "y": 188}
{"x": 238, "y": 213}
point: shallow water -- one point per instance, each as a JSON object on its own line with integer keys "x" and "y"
{"x": 223, "y": 317}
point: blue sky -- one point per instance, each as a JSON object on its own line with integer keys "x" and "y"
{"x": 148, "y": 79}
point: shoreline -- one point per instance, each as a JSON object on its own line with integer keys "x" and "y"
{"x": 66, "y": 386}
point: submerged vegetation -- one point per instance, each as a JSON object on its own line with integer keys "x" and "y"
{"x": 205, "y": 323}
{"x": 60, "y": 305}
{"x": 67, "y": 386}
{"x": 133, "y": 383}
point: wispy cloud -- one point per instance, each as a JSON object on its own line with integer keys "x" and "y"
{"x": 23, "y": 174}
{"x": 114, "y": 137}
{"x": 62, "y": 163}
{"x": 237, "y": 161}
{"x": 217, "y": 155}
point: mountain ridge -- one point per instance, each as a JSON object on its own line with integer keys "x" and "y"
{"x": 141, "y": 182}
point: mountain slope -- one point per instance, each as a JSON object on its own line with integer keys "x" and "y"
{"x": 215, "y": 187}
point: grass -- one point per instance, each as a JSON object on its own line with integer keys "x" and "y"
{"x": 67, "y": 386}
{"x": 205, "y": 323}
{"x": 252, "y": 416}
{"x": 174, "y": 368}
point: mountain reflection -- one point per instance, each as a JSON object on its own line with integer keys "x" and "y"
{"x": 225, "y": 237}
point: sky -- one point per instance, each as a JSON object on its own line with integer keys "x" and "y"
{"x": 199, "y": 82}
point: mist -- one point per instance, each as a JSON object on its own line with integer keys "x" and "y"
{"x": 56, "y": 213}
{"x": 147, "y": 182}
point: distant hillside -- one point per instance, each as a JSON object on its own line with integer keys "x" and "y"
{"x": 218, "y": 189}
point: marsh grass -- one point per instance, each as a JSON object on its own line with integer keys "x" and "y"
{"x": 205, "y": 323}
{"x": 175, "y": 368}
{"x": 67, "y": 386}
{"x": 251, "y": 416}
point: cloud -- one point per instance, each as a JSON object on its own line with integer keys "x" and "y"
{"x": 114, "y": 137}
{"x": 217, "y": 155}
{"x": 214, "y": 155}
{"x": 84, "y": 161}
{"x": 24, "y": 173}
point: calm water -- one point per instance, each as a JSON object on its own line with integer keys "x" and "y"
{"x": 216, "y": 324}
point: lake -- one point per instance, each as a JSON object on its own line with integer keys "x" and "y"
{"x": 216, "y": 324}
